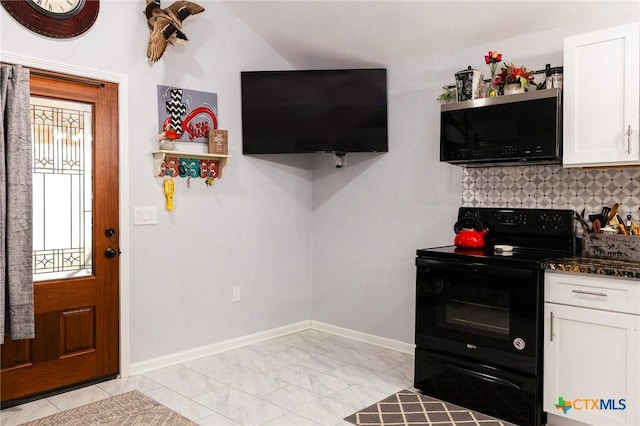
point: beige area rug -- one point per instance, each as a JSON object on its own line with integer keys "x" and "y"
{"x": 131, "y": 408}
{"x": 407, "y": 408}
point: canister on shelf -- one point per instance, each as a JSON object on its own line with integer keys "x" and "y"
{"x": 553, "y": 78}
{"x": 468, "y": 83}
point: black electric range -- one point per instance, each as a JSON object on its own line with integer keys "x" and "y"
{"x": 479, "y": 313}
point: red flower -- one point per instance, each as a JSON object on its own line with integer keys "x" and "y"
{"x": 171, "y": 134}
{"x": 493, "y": 57}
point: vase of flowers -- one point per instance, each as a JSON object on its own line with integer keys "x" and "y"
{"x": 514, "y": 79}
{"x": 493, "y": 58}
{"x": 167, "y": 138}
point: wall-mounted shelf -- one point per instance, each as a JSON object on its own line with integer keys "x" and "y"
{"x": 159, "y": 157}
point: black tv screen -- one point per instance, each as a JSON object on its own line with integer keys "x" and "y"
{"x": 314, "y": 111}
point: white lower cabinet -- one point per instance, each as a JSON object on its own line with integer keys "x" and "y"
{"x": 591, "y": 354}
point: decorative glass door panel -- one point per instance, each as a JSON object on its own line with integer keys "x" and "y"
{"x": 62, "y": 188}
{"x": 76, "y": 291}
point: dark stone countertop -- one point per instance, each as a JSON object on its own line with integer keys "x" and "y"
{"x": 594, "y": 265}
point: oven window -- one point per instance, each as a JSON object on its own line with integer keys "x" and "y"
{"x": 478, "y": 308}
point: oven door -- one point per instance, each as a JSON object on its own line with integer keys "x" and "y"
{"x": 483, "y": 312}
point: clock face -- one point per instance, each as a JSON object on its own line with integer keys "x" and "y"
{"x": 54, "y": 18}
{"x": 57, "y": 8}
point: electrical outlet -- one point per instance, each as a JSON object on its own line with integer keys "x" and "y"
{"x": 235, "y": 294}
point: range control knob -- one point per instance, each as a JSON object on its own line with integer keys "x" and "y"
{"x": 557, "y": 220}
{"x": 476, "y": 215}
{"x": 544, "y": 220}
{"x": 553, "y": 221}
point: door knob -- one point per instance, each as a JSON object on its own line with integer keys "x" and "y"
{"x": 109, "y": 232}
{"x": 111, "y": 252}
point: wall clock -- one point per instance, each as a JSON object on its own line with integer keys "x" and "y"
{"x": 54, "y": 18}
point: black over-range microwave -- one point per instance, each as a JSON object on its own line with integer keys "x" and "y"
{"x": 510, "y": 129}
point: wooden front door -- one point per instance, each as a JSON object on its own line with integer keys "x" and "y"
{"x": 76, "y": 239}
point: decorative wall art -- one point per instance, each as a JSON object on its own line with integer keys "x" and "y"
{"x": 218, "y": 141}
{"x": 165, "y": 25}
{"x": 187, "y": 114}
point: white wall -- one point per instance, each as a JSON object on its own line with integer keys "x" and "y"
{"x": 371, "y": 216}
{"x": 252, "y": 229}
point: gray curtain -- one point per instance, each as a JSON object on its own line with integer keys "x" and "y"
{"x": 16, "y": 219}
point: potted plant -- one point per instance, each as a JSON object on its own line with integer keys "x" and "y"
{"x": 514, "y": 79}
{"x": 448, "y": 94}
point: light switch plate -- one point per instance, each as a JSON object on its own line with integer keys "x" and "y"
{"x": 145, "y": 215}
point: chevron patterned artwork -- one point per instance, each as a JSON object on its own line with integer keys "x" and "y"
{"x": 552, "y": 186}
{"x": 189, "y": 113}
{"x": 176, "y": 110}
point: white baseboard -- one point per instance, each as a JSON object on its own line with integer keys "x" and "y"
{"x": 177, "y": 358}
{"x": 396, "y": 345}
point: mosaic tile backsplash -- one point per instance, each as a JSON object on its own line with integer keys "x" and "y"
{"x": 552, "y": 187}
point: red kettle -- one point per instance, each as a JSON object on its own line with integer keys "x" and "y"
{"x": 469, "y": 234}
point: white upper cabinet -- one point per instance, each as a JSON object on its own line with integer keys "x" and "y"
{"x": 602, "y": 98}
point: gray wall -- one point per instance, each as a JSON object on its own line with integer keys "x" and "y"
{"x": 302, "y": 239}
{"x": 370, "y": 217}
{"x": 251, "y": 229}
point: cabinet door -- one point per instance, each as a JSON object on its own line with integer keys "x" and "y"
{"x": 602, "y": 97}
{"x": 592, "y": 359}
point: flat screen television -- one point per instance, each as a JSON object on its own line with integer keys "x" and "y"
{"x": 306, "y": 111}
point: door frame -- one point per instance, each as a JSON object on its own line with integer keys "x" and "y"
{"x": 123, "y": 176}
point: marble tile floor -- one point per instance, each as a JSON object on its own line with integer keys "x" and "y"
{"x": 305, "y": 378}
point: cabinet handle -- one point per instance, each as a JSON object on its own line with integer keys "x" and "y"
{"x": 590, "y": 293}
{"x": 629, "y": 132}
{"x": 551, "y": 328}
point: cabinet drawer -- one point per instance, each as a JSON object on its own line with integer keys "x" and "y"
{"x": 592, "y": 291}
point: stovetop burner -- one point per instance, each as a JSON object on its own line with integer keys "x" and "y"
{"x": 488, "y": 255}
{"x": 518, "y": 256}
{"x": 534, "y": 235}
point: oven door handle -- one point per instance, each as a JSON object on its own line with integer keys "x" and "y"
{"x": 485, "y": 377}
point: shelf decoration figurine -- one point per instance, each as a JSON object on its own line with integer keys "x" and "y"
{"x": 514, "y": 79}
{"x": 493, "y": 58}
{"x": 167, "y": 138}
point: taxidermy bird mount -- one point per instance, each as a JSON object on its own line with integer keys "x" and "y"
{"x": 166, "y": 25}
